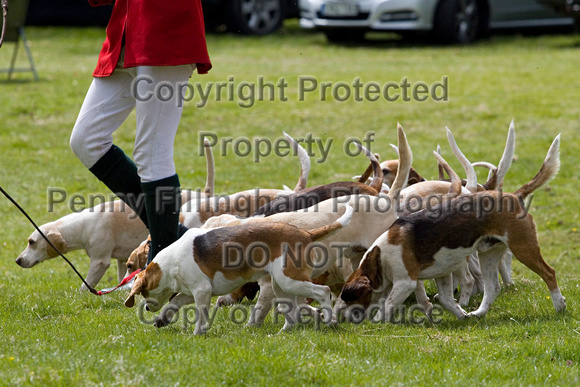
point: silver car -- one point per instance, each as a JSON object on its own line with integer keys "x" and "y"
{"x": 449, "y": 21}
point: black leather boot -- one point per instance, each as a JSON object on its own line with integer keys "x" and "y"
{"x": 119, "y": 173}
{"x": 162, "y": 201}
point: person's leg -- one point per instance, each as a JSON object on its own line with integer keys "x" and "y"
{"x": 157, "y": 122}
{"x": 107, "y": 104}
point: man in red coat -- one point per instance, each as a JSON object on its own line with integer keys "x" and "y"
{"x": 149, "y": 44}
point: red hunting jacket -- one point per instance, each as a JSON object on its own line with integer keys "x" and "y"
{"x": 156, "y": 33}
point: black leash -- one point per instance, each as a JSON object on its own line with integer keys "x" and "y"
{"x": 93, "y": 291}
{"x": 4, "y": 17}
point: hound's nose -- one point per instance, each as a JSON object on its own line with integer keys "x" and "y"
{"x": 19, "y": 261}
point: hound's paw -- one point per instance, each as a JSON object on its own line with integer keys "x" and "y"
{"x": 286, "y": 328}
{"x": 160, "y": 322}
{"x": 224, "y": 301}
{"x": 84, "y": 289}
{"x": 559, "y": 303}
{"x": 200, "y": 329}
{"x": 476, "y": 314}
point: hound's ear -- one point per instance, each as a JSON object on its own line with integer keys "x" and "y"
{"x": 138, "y": 287}
{"x": 357, "y": 289}
{"x": 56, "y": 238}
{"x": 130, "y": 301}
{"x": 414, "y": 177}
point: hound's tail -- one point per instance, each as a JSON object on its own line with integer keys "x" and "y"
{"x": 456, "y": 185}
{"x": 487, "y": 165}
{"x": 304, "y": 163}
{"x": 495, "y": 178}
{"x": 405, "y": 161}
{"x": 469, "y": 170}
{"x": 548, "y": 171}
{"x": 210, "y": 166}
{"x": 329, "y": 229}
{"x": 491, "y": 182}
{"x": 377, "y": 181}
{"x": 368, "y": 172}
{"x": 508, "y": 155}
{"x": 440, "y": 169}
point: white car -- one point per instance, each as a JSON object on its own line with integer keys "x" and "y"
{"x": 450, "y": 21}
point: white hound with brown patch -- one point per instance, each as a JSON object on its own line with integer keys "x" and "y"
{"x": 432, "y": 244}
{"x": 203, "y": 263}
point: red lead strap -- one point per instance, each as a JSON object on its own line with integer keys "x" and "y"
{"x": 125, "y": 281}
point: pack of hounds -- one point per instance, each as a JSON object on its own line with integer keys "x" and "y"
{"x": 362, "y": 245}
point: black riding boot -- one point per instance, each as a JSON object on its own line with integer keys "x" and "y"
{"x": 162, "y": 201}
{"x": 119, "y": 173}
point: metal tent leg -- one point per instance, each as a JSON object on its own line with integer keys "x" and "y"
{"x": 28, "y": 53}
{"x": 12, "y": 69}
{"x": 13, "y": 60}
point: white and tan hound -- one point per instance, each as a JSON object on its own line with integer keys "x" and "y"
{"x": 432, "y": 244}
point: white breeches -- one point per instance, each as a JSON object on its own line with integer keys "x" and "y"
{"x": 109, "y": 102}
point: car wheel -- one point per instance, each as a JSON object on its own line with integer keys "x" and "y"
{"x": 458, "y": 21}
{"x": 344, "y": 35}
{"x": 256, "y": 17}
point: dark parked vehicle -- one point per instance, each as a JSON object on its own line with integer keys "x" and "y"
{"x": 66, "y": 13}
{"x": 566, "y": 7}
{"x": 255, "y": 17}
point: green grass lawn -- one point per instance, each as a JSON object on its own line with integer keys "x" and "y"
{"x": 52, "y": 334}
